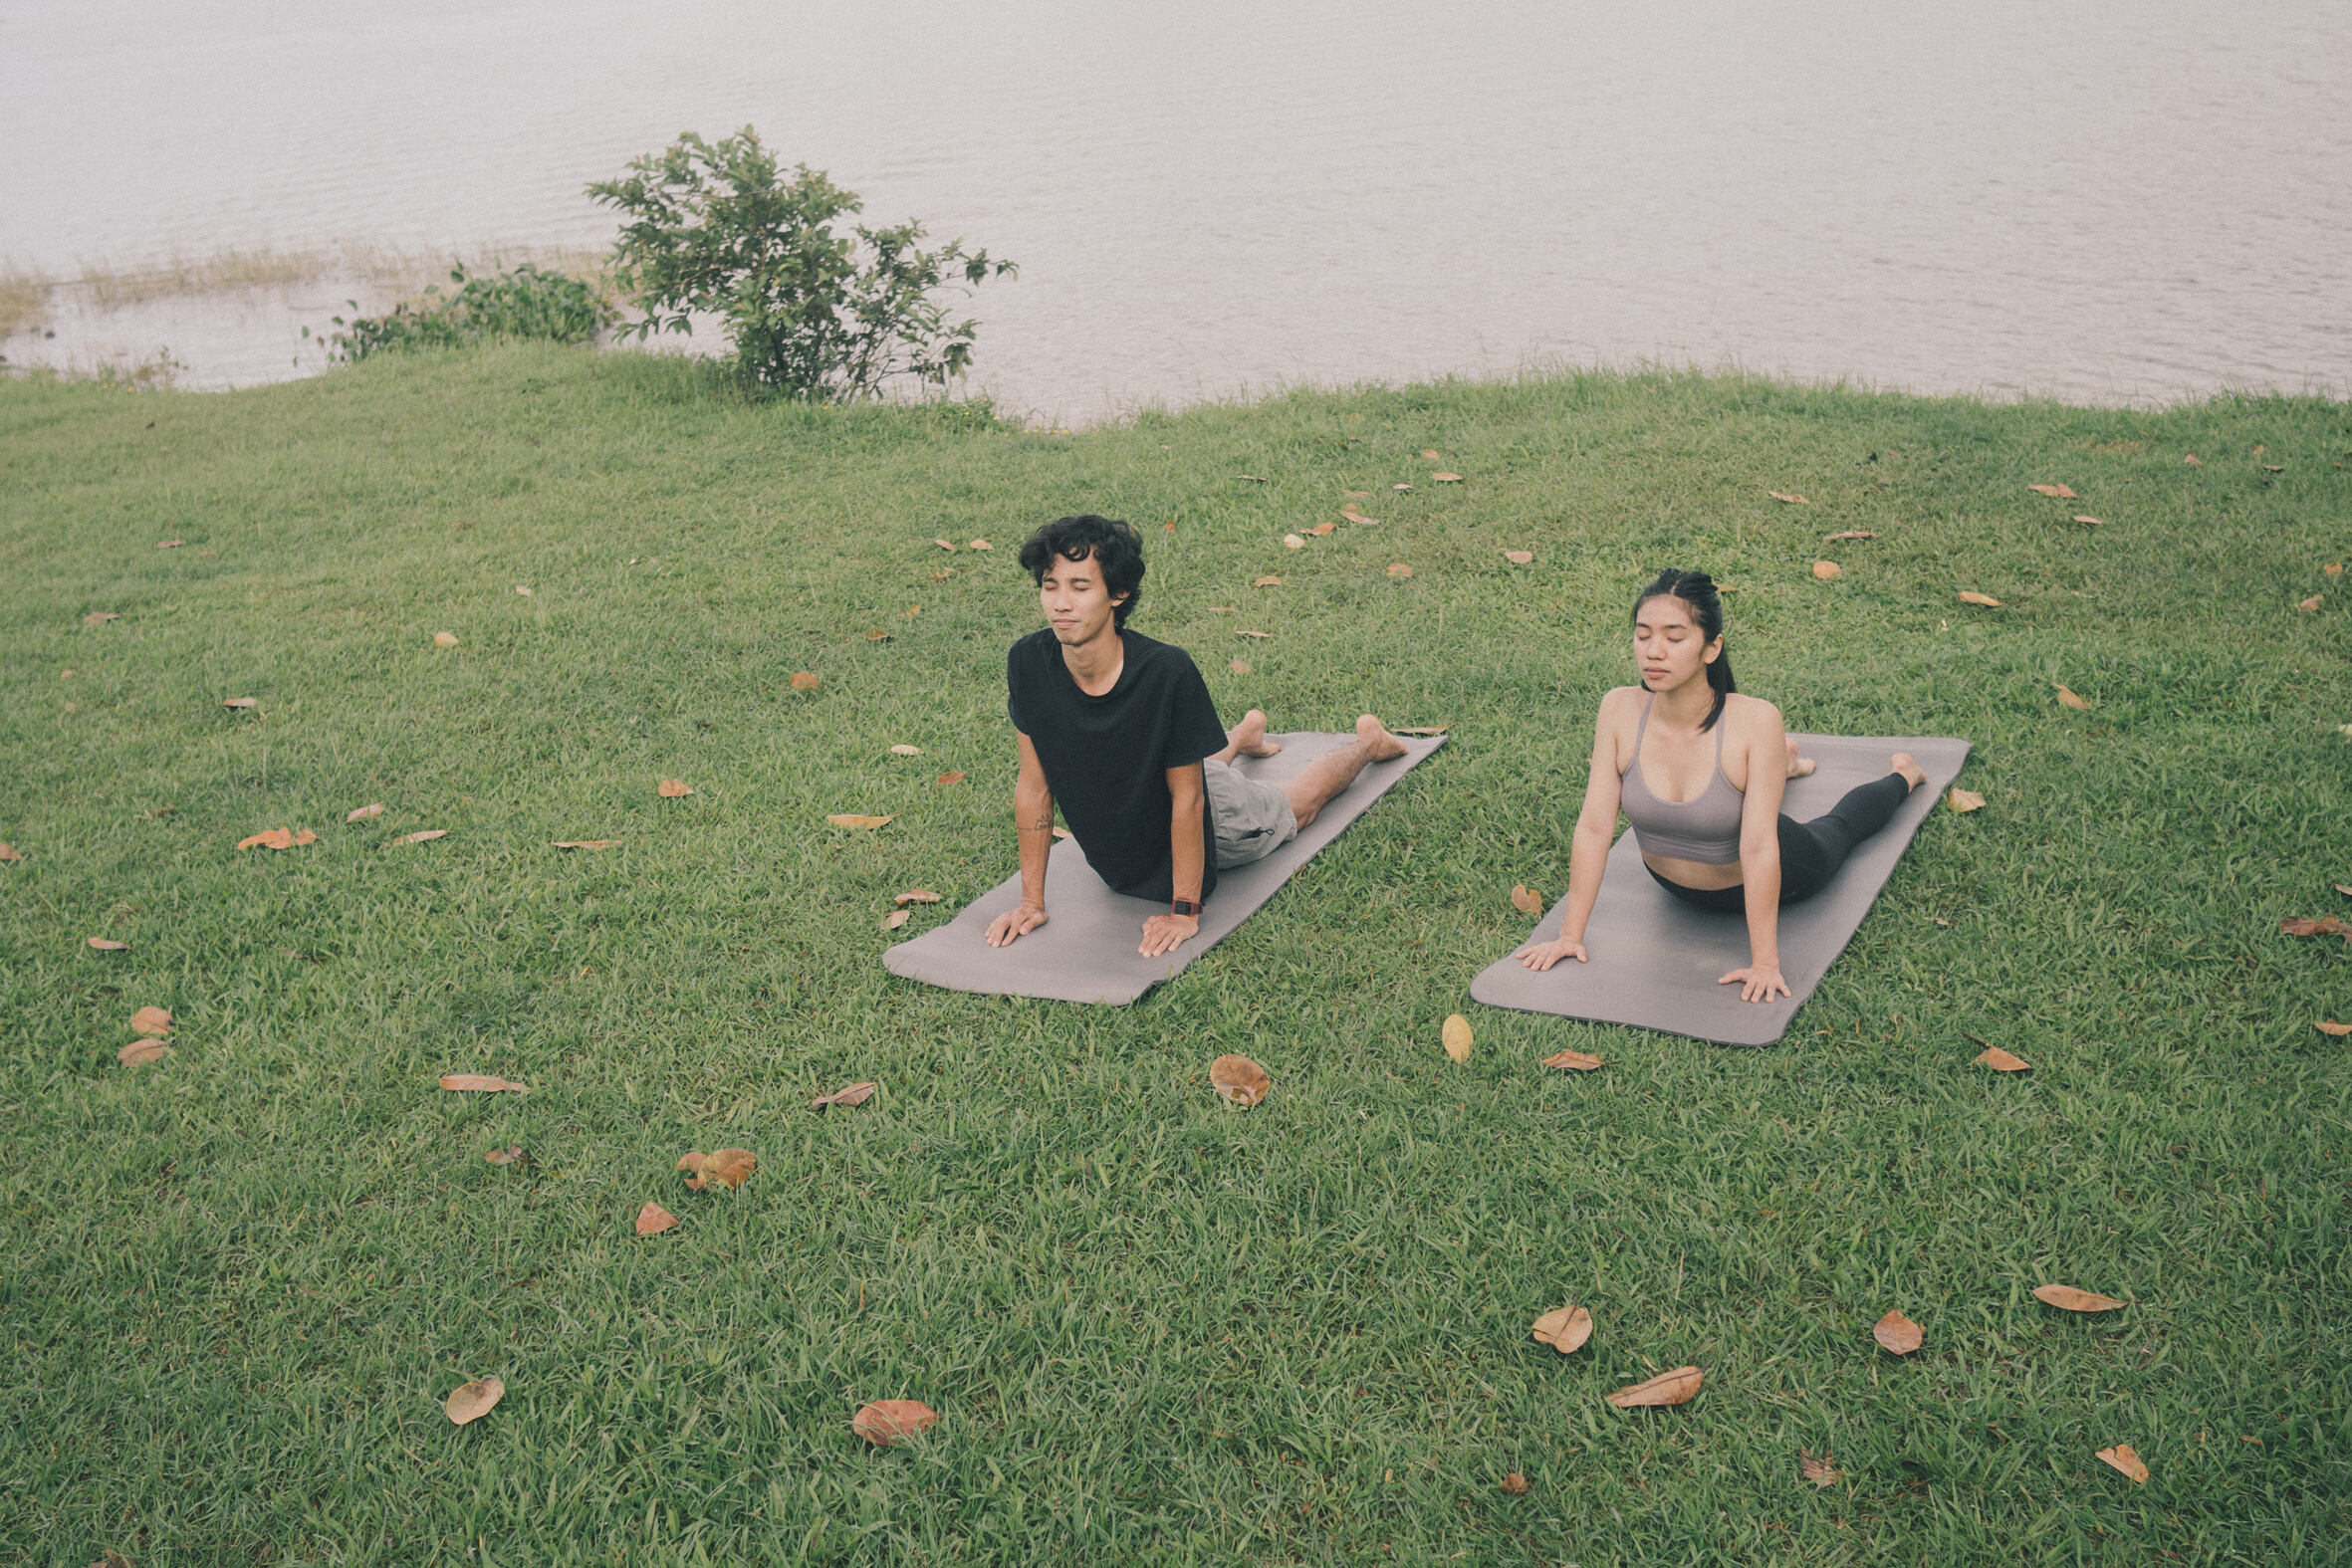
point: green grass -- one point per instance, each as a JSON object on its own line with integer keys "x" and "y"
{"x": 236, "y": 1283}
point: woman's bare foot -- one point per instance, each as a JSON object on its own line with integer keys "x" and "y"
{"x": 1798, "y": 767}
{"x": 1249, "y": 737}
{"x": 1912, "y": 773}
{"x": 1375, "y": 734}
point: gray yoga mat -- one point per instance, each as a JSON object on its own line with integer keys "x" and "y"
{"x": 1654, "y": 959}
{"x": 1085, "y": 951}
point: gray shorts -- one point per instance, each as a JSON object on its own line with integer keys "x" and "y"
{"x": 1252, "y": 818}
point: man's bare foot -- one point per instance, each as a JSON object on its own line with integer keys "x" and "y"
{"x": 1798, "y": 767}
{"x": 1912, "y": 772}
{"x": 1249, "y": 737}
{"x": 1375, "y": 734}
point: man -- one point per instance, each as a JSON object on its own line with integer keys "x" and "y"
{"x": 1122, "y": 732}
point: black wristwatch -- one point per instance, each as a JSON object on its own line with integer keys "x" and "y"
{"x": 1184, "y": 906}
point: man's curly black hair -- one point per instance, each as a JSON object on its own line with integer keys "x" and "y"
{"x": 1116, "y": 548}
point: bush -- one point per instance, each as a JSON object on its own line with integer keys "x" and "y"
{"x": 524, "y": 303}
{"x": 713, "y": 229}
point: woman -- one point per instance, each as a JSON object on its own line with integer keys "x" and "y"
{"x": 1699, "y": 770}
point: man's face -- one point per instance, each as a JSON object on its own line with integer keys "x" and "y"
{"x": 1076, "y": 603}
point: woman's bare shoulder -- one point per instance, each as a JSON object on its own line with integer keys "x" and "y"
{"x": 1750, "y": 712}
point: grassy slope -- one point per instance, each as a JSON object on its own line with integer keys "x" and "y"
{"x": 236, "y": 1283}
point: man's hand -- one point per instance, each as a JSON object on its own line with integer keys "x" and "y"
{"x": 1167, "y": 933}
{"x": 1757, "y": 982}
{"x": 1542, "y": 955}
{"x": 1014, "y": 923}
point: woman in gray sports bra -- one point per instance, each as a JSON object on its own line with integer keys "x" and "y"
{"x": 1714, "y": 845}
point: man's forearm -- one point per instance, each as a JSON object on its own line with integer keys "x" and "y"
{"x": 1186, "y": 851}
{"x": 1032, "y": 815}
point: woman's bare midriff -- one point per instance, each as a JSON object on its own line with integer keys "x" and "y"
{"x": 1694, "y": 873}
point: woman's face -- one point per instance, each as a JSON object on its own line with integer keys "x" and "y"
{"x": 1669, "y": 646}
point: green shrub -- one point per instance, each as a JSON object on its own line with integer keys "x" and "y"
{"x": 524, "y": 303}
{"x": 713, "y": 229}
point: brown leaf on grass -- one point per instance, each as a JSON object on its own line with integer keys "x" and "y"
{"x": 1817, "y": 1470}
{"x": 1446, "y": 479}
{"x": 673, "y": 789}
{"x": 945, "y": 545}
{"x": 140, "y": 1053}
{"x": 482, "y": 1083}
{"x": 588, "y": 843}
{"x": 2189, "y": 461}
{"x": 152, "y": 1020}
{"x": 653, "y": 1219}
{"x": 802, "y": 681}
{"x": 2305, "y": 926}
{"x": 903, "y": 749}
{"x": 11, "y": 852}
{"x": 1897, "y": 1333}
{"x": 272, "y": 839}
{"x": 1573, "y": 1061}
{"x": 473, "y": 1400}
{"x": 942, "y": 577}
{"x": 1255, "y": 478}
{"x": 240, "y": 702}
{"x": 1516, "y": 1484}
{"x": 1424, "y": 728}
{"x": 916, "y": 895}
{"x": 422, "y": 836}
{"x": 1169, "y": 526}
{"x": 2073, "y": 1300}
{"x": 876, "y": 634}
{"x": 728, "y": 1167}
{"x": 1454, "y": 1036}
{"x": 103, "y": 945}
{"x": 1320, "y": 528}
{"x": 1429, "y": 454}
{"x": 888, "y": 1422}
{"x": 1526, "y": 900}
{"x": 2332, "y": 1027}
{"x": 2124, "y": 1460}
{"x": 444, "y": 639}
{"x": 2093, "y": 522}
{"x": 1238, "y": 666}
{"x": 1972, "y": 597}
{"x": 1293, "y": 542}
{"x": 2340, "y": 887}
{"x": 512, "y": 1153}
{"x": 1789, "y": 499}
{"x": 855, "y": 1095}
{"x": 2273, "y": 468}
{"x": 2311, "y": 603}
{"x": 1964, "y": 799}
{"x": 847, "y": 820}
{"x": 1239, "y": 1080}
{"x": 171, "y": 544}
{"x": 1852, "y": 533}
{"x": 1519, "y": 557}
{"x": 1565, "y": 1329}
{"x": 2334, "y": 568}
{"x": 910, "y": 612}
{"x": 1397, "y": 568}
{"x": 1270, "y": 581}
{"x": 101, "y": 617}
{"x": 896, "y": 918}
{"x": 2002, "y": 1062}
{"x": 1258, "y": 635}
{"x": 361, "y": 814}
{"x": 1828, "y": 570}
{"x": 1667, "y": 1387}
{"x": 2059, "y": 491}
{"x": 949, "y": 778}
{"x": 1355, "y": 494}
{"x": 2078, "y": 704}
{"x": 980, "y": 544}
{"x": 1401, "y": 486}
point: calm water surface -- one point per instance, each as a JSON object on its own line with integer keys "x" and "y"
{"x": 2100, "y": 201}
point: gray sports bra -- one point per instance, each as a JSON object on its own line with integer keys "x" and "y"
{"x": 1706, "y": 830}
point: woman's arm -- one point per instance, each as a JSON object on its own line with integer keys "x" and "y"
{"x": 1588, "y": 850}
{"x": 1759, "y": 855}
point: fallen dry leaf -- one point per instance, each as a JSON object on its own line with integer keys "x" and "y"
{"x": 1401, "y": 486}
{"x": 1667, "y": 1387}
{"x": 2332, "y": 1027}
{"x": 2093, "y": 522}
{"x": 1516, "y": 1484}
{"x": 171, "y": 544}
{"x": 949, "y": 778}
{"x": 1429, "y": 454}
{"x": 910, "y": 612}
{"x": 2060, "y": 491}
{"x": 1519, "y": 557}
{"x": 1320, "y": 528}
{"x": 444, "y": 639}
{"x": 2273, "y": 468}
{"x": 140, "y": 1053}
{"x": 1819, "y": 1471}
{"x": 855, "y": 1095}
{"x": 101, "y": 617}
{"x": 877, "y": 634}
{"x": 1397, "y": 568}
{"x": 896, "y": 918}
{"x": 1446, "y": 479}
{"x": 1355, "y": 494}
{"x": 2002, "y": 1062}
{"x": 903, "y": 749}
{"x": 888, "y": 1422}
{"x": 1897, "y": 1333}
{"x": 240, "y": 702}
{"x": 1424, "y": 728}
{"x": 1169, "y": 526}
{"x": 1972, "y": 597}
{"x": 916, "y": 895}
{"x": 2189, "y": 461}
{"x": 2305, "y": 926}
{"x": 1238, "y": 666}
{"x": 1255, "y": 478}
{"x": 422, "y": 836}
{"x": 804, "y": 682}
{"x": 673, "y": 789}
{"x": 1260, "y": 635}
{"x": 361, "y": 814}
{"x": 2334, "y": 568}
{"x": 103, "y": 945}
{"x": 1454, "y": 1036}
{"x": 847, "y": 820}
{"x": 511, "y": 1155}
{"x": 1791, "y": 498}
{"x": 482, "y": 1083}
{"x": 11, "y": 852}
{"x": 274, "y": 839}
{"x": 473, "y": 1400}
{"x": 2073, "y": 1300}
{"x": 1964, "y": 799}
{"x": 980, "y": 544}
{"x": 1293, "y": 542}
{"x": 526, "y": 592}
{"x": 2311, "y": 603}
{"x": 1565, "y": 1329}
{"x": 1852, "y": 533}
{"x": 653, "y": 1219}
{"x": 1828, "y": 570}
{"x": 1267, "y": 582}
{"x": 1573, "y": 1061}
{"x": 728, "y": 1167}
{"x": 1239, "y": 1079}
{"x": 1526, "y": 900}
{"x": 944, "y": 544}
{"x": 2072, "y": 701}
{"x": 588, "y": 843}
{"x": 152, "y": 1020}
{"x": 2124, "y": 1460}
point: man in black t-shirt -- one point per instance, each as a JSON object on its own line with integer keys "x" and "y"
{"x": 1122, "y": 732}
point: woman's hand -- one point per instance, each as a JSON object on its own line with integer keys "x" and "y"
{"x": 1757, "y": 982}
{"x": 1541, "y": 956}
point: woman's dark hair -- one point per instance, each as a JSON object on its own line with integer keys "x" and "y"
{"x": 1696, "y": 590}
{"x": 1116, "y": 548}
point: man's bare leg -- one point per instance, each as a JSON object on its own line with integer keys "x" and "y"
{"x": 1335, "y": 771}
{"x": 1247, "y": 738}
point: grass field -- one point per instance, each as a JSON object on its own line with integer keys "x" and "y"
{"x": 237, "y": 1283}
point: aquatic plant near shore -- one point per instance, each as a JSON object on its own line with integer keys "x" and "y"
{"x": 524, "y": 303}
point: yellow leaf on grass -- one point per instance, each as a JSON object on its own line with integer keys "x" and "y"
{"x": 1964, "y": 799}
{"x": 1267, "y": 582}
{"x": 1573, "y": 1061}
{"x": 444, "y": 639}
{"x": 2332, "y": 1027}
{"x": 728, "y": 1167}
{"x": 1667, "y": 1387}
{"x": 1526, "y": 900}
{"x": 1238, "y": 666}
{"x": 473, "y": 1400}
{"x": 2002, "y": 1062}
{"x": 1828, "y": 570}
{"x": 481, "y": 1083}
{"x": 2059, "y": 491}
{"x": 1454, "y": 1036}
{"x": 2124, "y": 1460}
{"x": 104, "y": 944}
{"x": 2093, "y": 522}
{"x": 673, "y": 789}
{"x": 896, "y": 918}
{"x": 919, "y": 895}
{"x": 1239, "y": 1080}
{"x": 587, "y": 844}
{"x": 1789, "y": 498}
{"x": 847, "y": 820}
{"x": 361, "y": 814}
{"x": 426, "y": 836}
{"x": 903, "y": 749}
{"x": 1897, "y": 1333}
{"x": 1293, "y": 542}
{"x": 152, "y": 1020}
{"x": 1972, "y": 597}
{"x": 1565, "y": 1329}
{"x": 653, "y": 1219}
{"x": 888, "y": 1422}
{"x": 2078, "y": 704}
{"x": 855, "y": 1095}
{"x": 240, "y": 702}
{"x": 1397, "y": 568}
{"x": 2073, "y": 1300}
{"x": 804, "y": 682}
{"x": 140, "y": 1053}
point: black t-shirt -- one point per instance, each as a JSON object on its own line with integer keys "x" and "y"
{"x": 1106, "y": 758}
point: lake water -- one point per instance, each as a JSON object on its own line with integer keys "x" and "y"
{"x": 2101, "y": 201}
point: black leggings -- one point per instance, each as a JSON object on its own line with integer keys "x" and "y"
{"x": 1810, "y": 852}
